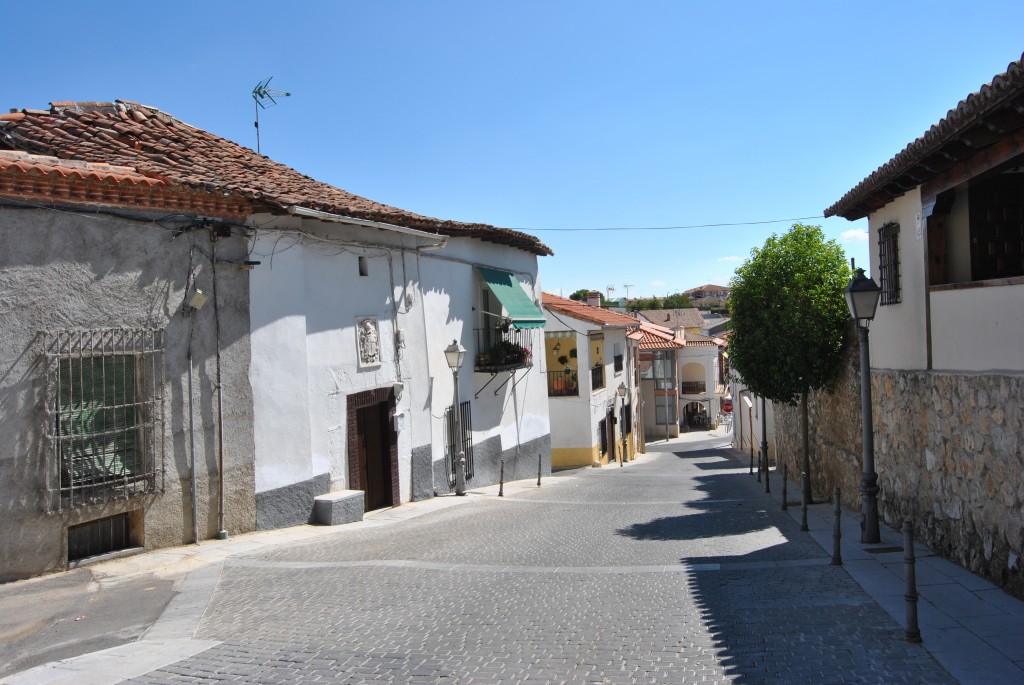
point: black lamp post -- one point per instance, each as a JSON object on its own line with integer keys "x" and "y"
{"x": 622, "y": 428}
{"x": 455, "y": 353}
{"x": 862, "y": 298}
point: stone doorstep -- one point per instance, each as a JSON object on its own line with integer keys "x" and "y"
{"x": 341, "y": 506}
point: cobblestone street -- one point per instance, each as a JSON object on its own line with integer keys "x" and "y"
{"x": 675, "y": 568}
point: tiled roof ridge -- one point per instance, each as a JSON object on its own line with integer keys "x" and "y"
{"x": 27, "y": 162}
{"x": 128, "y": 133}
{"x": 967, "y": 112}
{"x": 582, "y": 310}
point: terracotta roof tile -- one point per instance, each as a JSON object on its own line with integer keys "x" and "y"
{"x": 584, "y": 312}
{"x": 995, "y": 106}
{"x": 128, "y": 134}
{"x": 657, "y": 338}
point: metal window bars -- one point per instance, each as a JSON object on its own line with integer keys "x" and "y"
{"x": 104, "y": 414}
{"x": 889, "y": 263}
{"x": 467, "y": 441}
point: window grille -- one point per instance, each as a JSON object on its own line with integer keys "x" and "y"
{"x": 467, "y": 440}
{"x": 889, "y": 263}
{"x": 602, "y": 430}
{"x": 597, "y": 378}
{"x": 618, "y": 363}
{"x": 627, "y": 419}
{"x": 105, "y": 415}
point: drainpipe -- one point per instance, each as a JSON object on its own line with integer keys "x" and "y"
{"x": 222, "y": 533}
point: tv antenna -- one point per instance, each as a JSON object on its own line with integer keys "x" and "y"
{"x": 260, "y": 95}
{"x": 627, "y": 286}
{"x": 610, "y": 289}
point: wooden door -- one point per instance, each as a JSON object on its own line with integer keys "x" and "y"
{"x": 374, "y": 455}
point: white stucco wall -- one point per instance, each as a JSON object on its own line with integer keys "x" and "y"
{"x": 307, "y": 296}
{"x": 978, "y": 329}
{"x": 898, "y": 331}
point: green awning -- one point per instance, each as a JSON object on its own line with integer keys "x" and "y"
{"x": 521, "y": 309}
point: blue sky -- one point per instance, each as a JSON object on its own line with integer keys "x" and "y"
{"x": 549, "y": 115}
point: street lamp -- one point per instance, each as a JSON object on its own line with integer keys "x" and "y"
{"x": 862, "y": 299}
{"x": 621, "y": 391}
{"x": 455, "y": 353}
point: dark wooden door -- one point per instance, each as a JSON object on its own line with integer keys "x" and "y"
{"x": 374, "y": 455}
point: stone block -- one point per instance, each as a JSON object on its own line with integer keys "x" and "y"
{"x": 335, "y": 508}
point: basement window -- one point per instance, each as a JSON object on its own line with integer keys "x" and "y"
{"x": 111, "y": 534}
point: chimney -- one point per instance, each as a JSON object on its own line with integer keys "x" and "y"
{"x": 594, "y": 298}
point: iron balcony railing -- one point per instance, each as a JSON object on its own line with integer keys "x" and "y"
{"x": 503, "y": 350}
{"x": 692, "y": 387}
{"x": 562, "y": 384}
{"x": 597, "y": 378}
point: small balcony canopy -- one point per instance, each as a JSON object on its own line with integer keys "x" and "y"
{"x": 521, "y": 309}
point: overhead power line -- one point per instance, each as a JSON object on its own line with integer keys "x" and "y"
{"x": 673, "y": 228}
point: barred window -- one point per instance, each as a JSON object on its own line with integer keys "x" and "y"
{"x": 889, "y": 262}
{"x": 466, "y": 418}
{"x": 602, "y": 432}
{"x": 105, "y": 408}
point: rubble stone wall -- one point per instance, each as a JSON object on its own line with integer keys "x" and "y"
{"x": 948, "y": 452}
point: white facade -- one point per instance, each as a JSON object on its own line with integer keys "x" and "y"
{"x": 576, "y": 417}
{"x": 317, "y": 282}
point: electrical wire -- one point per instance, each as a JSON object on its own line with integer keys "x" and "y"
{"x": 671, "y": 228}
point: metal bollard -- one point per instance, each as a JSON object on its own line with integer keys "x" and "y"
{"x": 803, "y": 506}
{"x": 539, "y": 467}
{"x": 460, "y": 476}
{"x": 501, "y": 480}
{"x": 837, "y": 529}
{"x": 913, "y": 632}
{"x": 767, "y": 474}
{"x": 760, "y": 459}
{"x": 785, "y": 480}
{"x": 751, "y": 462}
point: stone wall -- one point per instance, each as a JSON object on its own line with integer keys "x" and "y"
{"x": 948, "y": 452}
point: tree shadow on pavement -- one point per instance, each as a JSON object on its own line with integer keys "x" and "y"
{"x": 773, "y": 608}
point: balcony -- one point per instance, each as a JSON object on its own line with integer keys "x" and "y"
{"x": 503, "y": 349}
{"x": 562, "y": 384}
{"x": 693, "y": 387}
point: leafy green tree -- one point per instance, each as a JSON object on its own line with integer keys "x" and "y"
{"x": 789, "y": 319}
{"x": 678, "y": 301}
{"x": 581, "y": 296}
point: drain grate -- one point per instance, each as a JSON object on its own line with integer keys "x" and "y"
{"x": 883, "y": 550}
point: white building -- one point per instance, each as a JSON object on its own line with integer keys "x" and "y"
{"x": 301, "y": 331}
{"x": 591, "y": 383}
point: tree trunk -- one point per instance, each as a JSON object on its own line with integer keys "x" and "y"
{"x": 806, "y": 430}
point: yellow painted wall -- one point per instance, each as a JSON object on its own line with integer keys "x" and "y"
{"x": 574, "y": 456}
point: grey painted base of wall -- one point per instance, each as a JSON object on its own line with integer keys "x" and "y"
{"x": 291, "y": 505}
{"x": 487, "y": 456}
{"x": 422, "y": 473}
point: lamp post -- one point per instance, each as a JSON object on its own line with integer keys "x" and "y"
{"x": 455, "y": 353}
{"x": 862, "y": 299}
{"x": 621, "y": 391}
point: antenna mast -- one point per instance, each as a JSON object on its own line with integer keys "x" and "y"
{"x": 627, "y": 286}
{"x": 260, "y": 95}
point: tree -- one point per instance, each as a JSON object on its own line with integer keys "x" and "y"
{"x": 678, "y": 301}
{"x": 790, "y": 319}
{"x": 581, "y": 296}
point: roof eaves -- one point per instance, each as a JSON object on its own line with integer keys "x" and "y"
{"x": 1003, "y": 90}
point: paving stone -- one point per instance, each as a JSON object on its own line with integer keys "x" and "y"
{"x": 676, "y": 569}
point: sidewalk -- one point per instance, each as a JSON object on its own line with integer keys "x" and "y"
{"x": 973, "y": 629}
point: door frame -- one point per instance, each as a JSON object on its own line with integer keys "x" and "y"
{"x": 353, "y": 404}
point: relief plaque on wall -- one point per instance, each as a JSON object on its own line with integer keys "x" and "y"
{"x": 368, "y": 341}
